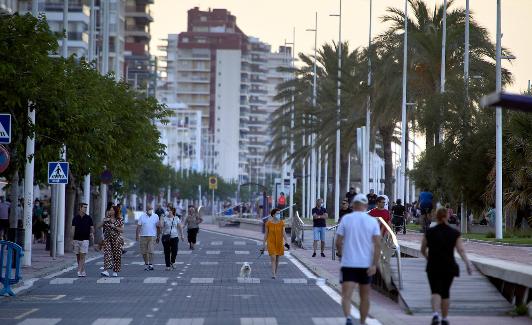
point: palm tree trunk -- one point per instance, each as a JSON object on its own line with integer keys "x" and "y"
{"x": 387, "y": 137}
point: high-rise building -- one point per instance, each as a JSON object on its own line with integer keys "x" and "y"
{"x": 8, "y": 6}
{"x": 216, "y": 69}
{"x": 140, "y": 68}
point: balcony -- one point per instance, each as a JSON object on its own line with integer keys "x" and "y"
{"x": 135, "y": 32}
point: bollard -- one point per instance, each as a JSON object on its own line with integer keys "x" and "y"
{"x": 9, "y": 252}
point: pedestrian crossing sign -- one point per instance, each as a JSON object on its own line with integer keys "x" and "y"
{"x": 58, "y": 172}
{"x": 5, "y": 128}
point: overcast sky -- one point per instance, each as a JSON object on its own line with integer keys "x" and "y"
{"x": 273, "y": 20}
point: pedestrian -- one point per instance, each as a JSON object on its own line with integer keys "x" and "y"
{"x": 372, "y": 199}
{"x": 398, "y": 217}
{"x": 351, "y": 194}
{"x": 171, "y": 229}
{"x": 113, "y": 227}
{"x": 281, "y": 201}
{"x": 275, "y": 239}
{"x": 344, "y": 209}
{"x": 192, "y": 222}
{"x": 381, "y": 211}
{"x": 4, "y": 218}
{"x": 83, "y": 230}
{"x": 319, "y": 217}
{"x": 438, "y": 247}
{"x": 425, "y": 205}
{"x": 148, "y": 233}
{"x": 358, "y": 242}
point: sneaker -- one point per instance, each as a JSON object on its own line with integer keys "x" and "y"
{"x": 104, "y": 273}
{"x": 147, "y": 267}
{"x": 173, "y": 266}
{"x": 84, "y": 274}
{"x": 150, "y": 267}
{"x": 444, "y": 322}
{"x": 167, "y": 268}
{"x": 314, "y": 254}
{"x": 322, "y": 254}
{"x": 79, "y": 274}
{"x": 435, "y": 320}
{"x": 115, "y": 274}
{"x": 349, "y": 321}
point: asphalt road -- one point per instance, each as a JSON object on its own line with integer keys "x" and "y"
{"x": 203, "y": 289}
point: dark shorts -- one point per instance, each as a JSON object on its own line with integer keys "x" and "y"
{"x": 440, "y": 284}
{"x": 4, "y": 224}
{"x": 355, "y": 274}
{"x": 426, "y": 209}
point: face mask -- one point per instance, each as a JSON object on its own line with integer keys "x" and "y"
{"x": 278, "y": 216}
{"x": 150, "y": 212}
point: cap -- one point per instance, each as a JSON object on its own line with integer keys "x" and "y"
{"x": 361, "y": 198}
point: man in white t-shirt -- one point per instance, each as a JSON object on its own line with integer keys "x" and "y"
{"x": 148, "y": 229}
{"x": 358, "y": 240}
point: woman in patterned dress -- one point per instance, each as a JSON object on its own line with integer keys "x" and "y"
{"x": 273, "y": 239}
{"x": 113, "y": 227}
{"x": 192, "y": 222}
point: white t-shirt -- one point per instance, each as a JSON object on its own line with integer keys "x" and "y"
{"x": 358, "y": 229}
{"x": 171, "y": 224}
{"x": 148, "y": 225}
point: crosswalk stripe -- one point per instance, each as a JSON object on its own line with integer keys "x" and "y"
{"x": 40, "y": 321}
{"x": 113, "y": 280}
{"x": 208, "y": 263}
{"x": 216, "y": 243}
{"x": 213, "y": 252}
{"x": 112, "y": 321}
{"x": 258, "y": 321}
{"x": 328, "y": 320}
{"x": 239, "y": 243}
{"x": 63, "y": 280}
{"x": 248, "y": 280}
{"x": 243, "y": 262}
{"x": 156, "y": 280}
{"x": 242, "y": 252}
{"x": 185, "y": 321}
{"x": 291, "y": 281}
{"x": 202, "y": 280}
{"x": 184, "y": 252}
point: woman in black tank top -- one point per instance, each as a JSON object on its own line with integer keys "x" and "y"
{"x": 438, "y": 247}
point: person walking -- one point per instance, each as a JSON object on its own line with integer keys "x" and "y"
{"x": 172, "y": 230}
{"x": 275, "y": 239}
{"x": 438, "y": 247}
{"x": 319, "y": 217}
{"x": 399, "y": 217}
{"x": 351, "y": 194}
{"x": 148, "y": 233}
{"x": 83, "y": 230}
{"x": 344, "y": 209}
{"x": 358, "y": 242}
{"x": 372, "y": 199}
{"x": 381, "y": 211}
{"x": 192, "y": 222}
{"x": 113, "y": 227}
{"x": 425, "y": 205}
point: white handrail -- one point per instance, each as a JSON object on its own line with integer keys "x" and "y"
{"x": 397, "y": 249}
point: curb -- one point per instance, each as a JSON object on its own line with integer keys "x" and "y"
{"x": 490, "y": 242}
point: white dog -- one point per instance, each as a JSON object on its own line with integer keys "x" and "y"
{"x": 245, "y": 270}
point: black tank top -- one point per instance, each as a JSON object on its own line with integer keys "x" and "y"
{"x": 441, "y": 241}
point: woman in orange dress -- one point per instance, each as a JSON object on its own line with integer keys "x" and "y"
{"x": 274, "y": 238}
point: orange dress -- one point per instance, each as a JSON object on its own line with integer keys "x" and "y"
{"x": 275, "y": 238}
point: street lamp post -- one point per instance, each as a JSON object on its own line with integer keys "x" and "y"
{"x": 498, "y": 131}
{"x": 366, "y": 154}
{"x": 338, "y": 105}
{"x": 313, "y": 164}
{"x": 292, "y": 191}
{"x": 403, "y": 106}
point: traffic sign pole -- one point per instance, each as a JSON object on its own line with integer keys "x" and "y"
{"x": 28, "y": 191}
{"x": 212, "y": 204}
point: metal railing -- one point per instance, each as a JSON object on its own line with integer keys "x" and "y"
{"x": 297, "y": 232}
{"x": 389, "y": 247}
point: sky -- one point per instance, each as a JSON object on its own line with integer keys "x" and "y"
{"x": 273, "y": 22}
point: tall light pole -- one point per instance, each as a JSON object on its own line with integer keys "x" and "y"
{"x": 313, "y": 164}
{"x": 292, "y": 191}
{"x": 338, "y": 105}
{"x": 463, "y": 217}
{"x": 404, "y": 121}
{"x": 92, "y": 31}
{"x": 366, "y": 154}
{"x": 442, "y": 66}
{"x": 498, "y": 132}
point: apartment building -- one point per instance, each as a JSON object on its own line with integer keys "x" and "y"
{"x": 216, "y": 69}
{"x": 140, "y": 65}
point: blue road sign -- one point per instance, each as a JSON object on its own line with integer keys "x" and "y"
{"x": 5, "y": 128}
{"x": 57, "y": 172}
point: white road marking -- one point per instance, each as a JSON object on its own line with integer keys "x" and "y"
{"x": 26, "y": 284}
{"x": 25, "y": 314}
{"x": 184, "y": 252}
{"x": 202, "y": 280}
{"x": 40, "y": 321}
{"x": 258, "y": 321}
{"x": 328, "y": 320}
{"x": 155, "y": 309}
{"x": 112, "y": 321}
{"x": 244, "y": 262}
{"x": 185, "y": 321}
{"x": 63, "y": 280}
{"x": 242, "y": 252}
{"x": 73, "y": 267}
{"x": 213, "y": 252}
{"x": 112, "y": 280}
{"x": 216, "y": 243}
{"x": 208, "y": 263}
{"x": 292, "y": 281}
{"x": 248, "y": 280}
{"x": 239, "y": 243}
{"x": 155, "y": 280}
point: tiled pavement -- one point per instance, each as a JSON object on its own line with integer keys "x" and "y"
{"x": 204, "y": 289}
